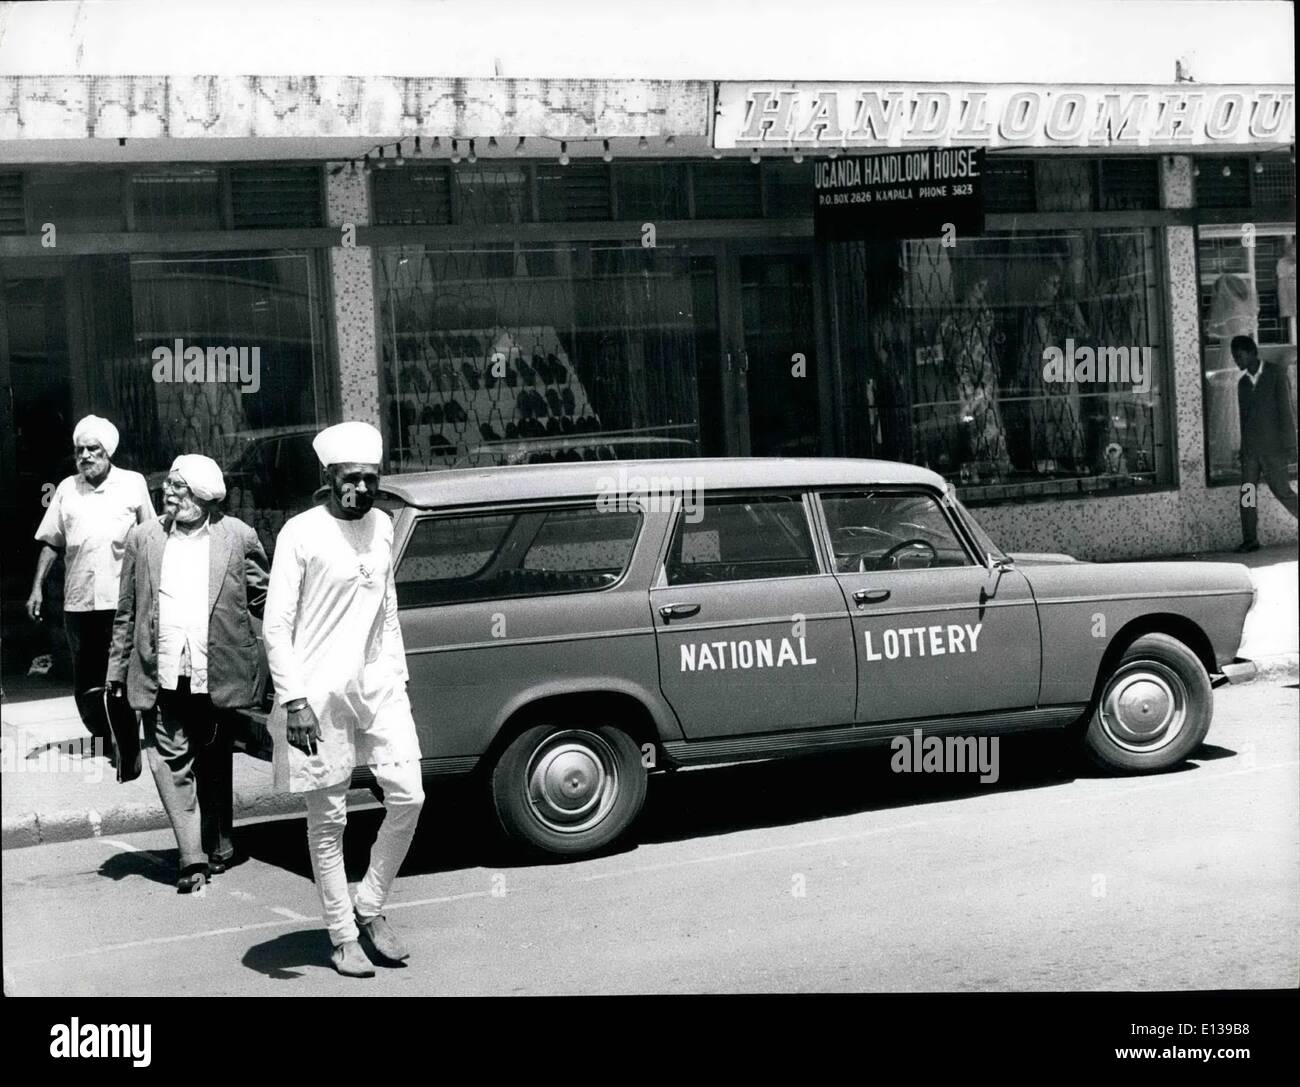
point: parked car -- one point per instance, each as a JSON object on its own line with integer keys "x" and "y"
{"x": 570, "y": 628}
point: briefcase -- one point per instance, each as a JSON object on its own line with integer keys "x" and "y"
{"x": 124, "y": 732}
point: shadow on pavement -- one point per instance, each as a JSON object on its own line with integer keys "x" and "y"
{"x": 458, "y": 830}
{"x": 160, "y": 867}
{"x": 287, "y": 956}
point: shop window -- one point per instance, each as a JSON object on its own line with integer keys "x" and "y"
{"x": 787, "y": 189}
{"x": 1015, "y": 365}
{"x": 1247, "y": 288}
{"x": 13, "y": 220}
{"x": 77, "y": 201}
{"x": 276, "y": 196}
{"x": 727, "y": 190}
{"x": 585, "y": 351}
{"x": 255, "y": 406}
{"x": 490, "y": 191}
{"x": 418, "y": 193}
{"x": 176, "y": 199}
{"x": 579, "y": 192}
{"x": 1128, "y": 184}
{"x": 1240, "y": 181}
{"x": 651, "y": 190}
{"x": 1063, "y": 184}
{"x": 1008, "y": 185}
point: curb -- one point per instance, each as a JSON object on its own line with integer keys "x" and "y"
{"x": 33, "y": 828}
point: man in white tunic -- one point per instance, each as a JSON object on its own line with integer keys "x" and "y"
{"x": 336, "y": 655}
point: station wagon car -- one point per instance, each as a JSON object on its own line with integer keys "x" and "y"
{"x": 570, "y": 628}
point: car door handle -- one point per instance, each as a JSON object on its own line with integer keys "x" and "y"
{"x": 870, "y": 596}
{"x": 679, "y": 611}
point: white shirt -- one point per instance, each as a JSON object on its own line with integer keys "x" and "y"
{"x": 183, "y": 609}
{"x": 1254, "y": 378}
{"x": 332, "y": 637}
{"x": 90, "y": 524}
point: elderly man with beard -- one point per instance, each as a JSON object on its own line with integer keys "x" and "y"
{"x": 185, "y": 647}
{"x": 339, "y": 666}
{"x": 88, "y": 520}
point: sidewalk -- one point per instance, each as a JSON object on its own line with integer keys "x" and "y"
{"x": 54, "y": 795}
{"x": 56, "y": 789}
{"x": 1272, "y": 634}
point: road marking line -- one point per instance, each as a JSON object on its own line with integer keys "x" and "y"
{"x": 127, "y": 847}
{"x": 284, "y": 911}
{"x": 435, "y": 901}
{"x": 153, "y": 941}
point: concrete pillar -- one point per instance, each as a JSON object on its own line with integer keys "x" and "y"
{"x": 353, "y": 280}
{"x": 1184, "y": 353}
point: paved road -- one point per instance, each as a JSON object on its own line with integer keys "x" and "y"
{"x": 819, "y": 875}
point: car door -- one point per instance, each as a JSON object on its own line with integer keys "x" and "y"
{"x": 937, "y": 634}
{"x": 752, "y": 630}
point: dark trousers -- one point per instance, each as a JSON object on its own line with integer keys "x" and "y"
{"x": 90, "y": 637}
{"x": 190, "y": 744}
{"x": 1273, "y": 471}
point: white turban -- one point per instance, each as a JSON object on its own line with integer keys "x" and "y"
{"x": 349, "y": 443}
{"x": 95, "y": 429}
{"x": 202, "y": 475}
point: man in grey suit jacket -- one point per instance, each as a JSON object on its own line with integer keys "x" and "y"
{"x": 186, "y": 649}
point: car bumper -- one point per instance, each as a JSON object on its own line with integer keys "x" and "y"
{"x": 1238, "y": 670}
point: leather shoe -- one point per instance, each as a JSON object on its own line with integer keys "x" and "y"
{"x": 217, "y": 865}
{"x": 380, "y": 935}
{"x": 1247, "y": 547}
{"x": 350, "y": 961}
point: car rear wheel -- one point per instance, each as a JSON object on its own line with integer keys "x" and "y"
{"x": 1154, "y": 710}
{"x": 568, "y": 790}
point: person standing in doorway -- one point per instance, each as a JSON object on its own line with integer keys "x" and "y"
{"x": 88, "y": 520}
{"x": 185, "y": 650}
{"x": 1268, "y": 435}
{"x": 339, "y": 667}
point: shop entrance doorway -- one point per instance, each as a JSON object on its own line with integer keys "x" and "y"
{"x": 36, "y": 347}
{"x": 769, "y": 383}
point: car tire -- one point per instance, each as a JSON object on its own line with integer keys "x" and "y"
{"x": 568, "y": 790}
{"x": 1154, "y": 708}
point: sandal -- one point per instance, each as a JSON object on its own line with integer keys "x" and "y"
{"x": 192, "y": 878}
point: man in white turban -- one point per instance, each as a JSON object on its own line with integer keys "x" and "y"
{"x": 185, "y": 654}
{"x": 336, "y": 656}
{"x": 87, "y": 520}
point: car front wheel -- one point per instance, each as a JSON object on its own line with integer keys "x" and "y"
{"x": 568, "y": 790}
{"x": 1154, "y": 710}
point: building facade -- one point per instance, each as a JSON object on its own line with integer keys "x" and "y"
{"x": 499, "y": 269}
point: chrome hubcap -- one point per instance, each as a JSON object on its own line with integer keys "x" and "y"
{"x": 1144, "y": 706}
{"x": 572, "y": 781}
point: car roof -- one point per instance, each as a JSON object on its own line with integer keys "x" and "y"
{"x": 522, "y": 482}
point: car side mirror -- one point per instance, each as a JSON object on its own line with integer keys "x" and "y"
{"x": 996, "y": 566}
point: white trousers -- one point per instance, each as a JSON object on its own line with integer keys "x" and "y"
{"x": 327, "y": 817}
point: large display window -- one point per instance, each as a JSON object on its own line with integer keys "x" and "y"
{"x": 1247, "y": 288}
{"x": 1020, "y": 365}
{"x": 542, "y": 352}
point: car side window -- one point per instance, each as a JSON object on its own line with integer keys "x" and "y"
{"x": 740, "y": 538}
{"x": 525, "y": 552}
{"x": 890, "y": 530}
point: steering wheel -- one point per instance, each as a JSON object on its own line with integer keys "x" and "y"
{"x": 883, "y": 563}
